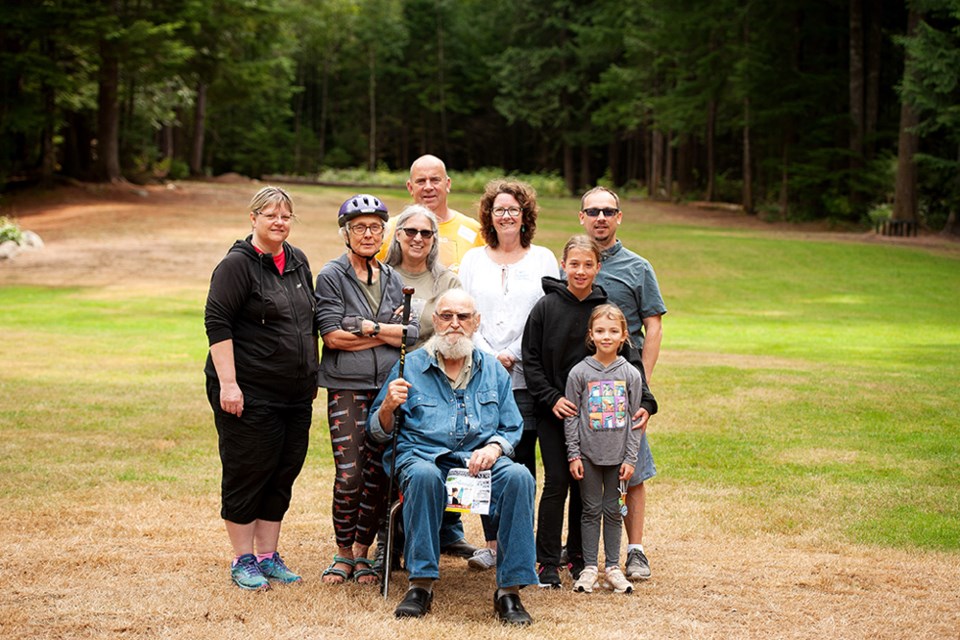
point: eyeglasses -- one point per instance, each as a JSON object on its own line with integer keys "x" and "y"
{"x": 360, "y": 230}
{"x": 426, "y": 234}
{"x": 285, "y": 218}
{"x": 448, "y": 317}
{"x": 593, "y": 212}
{"x": 513, "y": 212}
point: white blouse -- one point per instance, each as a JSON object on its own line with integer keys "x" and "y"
{"x": 505, "y": 294}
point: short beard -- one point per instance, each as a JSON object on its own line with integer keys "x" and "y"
{"x": 461, "y": 348}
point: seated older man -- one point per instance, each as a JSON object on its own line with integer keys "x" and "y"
{"x": 458, "y": 411}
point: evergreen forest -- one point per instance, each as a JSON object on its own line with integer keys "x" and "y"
{"x": 843, "y": 110}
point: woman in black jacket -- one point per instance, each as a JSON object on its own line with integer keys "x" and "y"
{"x": 261, "y": 382}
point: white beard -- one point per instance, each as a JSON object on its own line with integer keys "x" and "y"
{"x": 461, "y": 348}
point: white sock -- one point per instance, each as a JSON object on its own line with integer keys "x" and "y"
{"x": 635, "y": 547}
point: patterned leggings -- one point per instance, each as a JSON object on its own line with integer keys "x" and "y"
{"x": 360, "y": 486}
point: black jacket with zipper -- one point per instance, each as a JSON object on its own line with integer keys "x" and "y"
{"x": 271, "y": 319}
{"x": 554, "y": 341}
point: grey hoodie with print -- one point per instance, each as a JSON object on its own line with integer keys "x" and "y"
{"x": 606, "y": 399}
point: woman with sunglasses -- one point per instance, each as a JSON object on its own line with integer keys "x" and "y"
{"x": 414, "y": 254}
{"x": 358, "y": 316}
{"x": 504, "y": 277}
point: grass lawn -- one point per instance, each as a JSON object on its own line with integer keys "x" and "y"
{"x": 807, "y": 385}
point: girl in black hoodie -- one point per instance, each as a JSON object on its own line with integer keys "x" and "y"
{"x": 553, "y": 343}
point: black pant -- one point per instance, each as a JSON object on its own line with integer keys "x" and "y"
{"x": 261, "y": 453}
{"x": 557, "y": 482}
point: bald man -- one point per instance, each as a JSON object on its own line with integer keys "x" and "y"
{"x": 429, "y": 185}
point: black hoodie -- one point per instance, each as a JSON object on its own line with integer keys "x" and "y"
{"x": 269, "y": 317}
{"x": 554, "y": 341}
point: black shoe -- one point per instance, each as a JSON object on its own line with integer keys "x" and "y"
{"x": 510, "y": 610}
{"x": 415, "y": 604}
{"x": 575, "y": 566}
{"x": 549, "y": 577}
{"x": 460, "y": 548}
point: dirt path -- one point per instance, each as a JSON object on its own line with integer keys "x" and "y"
{"x": 125, "y": 235}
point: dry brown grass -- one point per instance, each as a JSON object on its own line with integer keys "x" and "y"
{"x": 125, "y": 561}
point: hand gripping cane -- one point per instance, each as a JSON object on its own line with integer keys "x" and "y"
{"x": 397, "y": 425}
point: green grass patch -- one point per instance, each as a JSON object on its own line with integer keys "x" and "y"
{"x": 807, "y": 387}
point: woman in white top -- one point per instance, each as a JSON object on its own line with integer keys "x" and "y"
{"x": 414, "y": 253}
{"x": 505, "y": 279}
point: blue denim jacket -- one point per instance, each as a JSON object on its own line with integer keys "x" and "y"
{"x": 430, "y": 428}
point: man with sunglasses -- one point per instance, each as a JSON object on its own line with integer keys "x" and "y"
{"x": 429, "y": 185}
{"x": 631, "y": 284}
{"x": 458, "y": 412}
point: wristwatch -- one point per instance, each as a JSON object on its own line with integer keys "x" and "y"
{"x": 376, "y": 328}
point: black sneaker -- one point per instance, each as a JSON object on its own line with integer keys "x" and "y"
{"x": 575, "y": 566}
{"x": 549, "y": 577}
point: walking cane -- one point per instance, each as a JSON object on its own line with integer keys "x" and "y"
{"x": 397, "y": 424}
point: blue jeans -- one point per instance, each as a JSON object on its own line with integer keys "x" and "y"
{"x": 512, "y": 498}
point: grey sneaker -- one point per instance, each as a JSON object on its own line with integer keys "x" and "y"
{"x": 638, "y": 567}
{"x": 483, "y": 559}
{"x": 273, "y": 568}
{"x": 247, "y": 575}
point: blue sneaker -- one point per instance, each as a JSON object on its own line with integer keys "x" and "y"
{"x": 247, "y": 575}
{"x": 275, "y": 569}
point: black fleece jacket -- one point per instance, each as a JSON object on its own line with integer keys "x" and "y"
{"x": 554, "y": 341}
{"x": 270, "y": 318}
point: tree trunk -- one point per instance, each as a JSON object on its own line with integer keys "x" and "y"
{"x": 298, "y": 120}
{"x": 668, "y": 172}
{"x": 372, "y": 160}
{"x": 441, "y": 91}
{"x": 585, "y": 167}
{"x": 568, "y": 174}
{"x": 747, "y": 170}
{"x": 108, "y": 115}
{"x": 613, "y": 160}
{"x": 656, "y": 164}
{"x": 873, "y": 58}
{"x": 951, "y": 228}
{"x": 711, "y": 160}
{"x": 784, "y": 200}
{"x": 324, "y": 110}
{"x": 166, "y": 141}
{"x": 199, "y": 130}
{"x": 905, "y": 195}
{"x": 856, "y": 91}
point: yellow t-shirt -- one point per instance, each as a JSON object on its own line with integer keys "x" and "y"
{"x": 458, "y": 235}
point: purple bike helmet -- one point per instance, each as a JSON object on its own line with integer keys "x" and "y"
{"x": 359, "y": 205}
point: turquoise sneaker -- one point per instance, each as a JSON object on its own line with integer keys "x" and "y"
{"x": 275, "y": 569}
{"x": 247, "y": 575}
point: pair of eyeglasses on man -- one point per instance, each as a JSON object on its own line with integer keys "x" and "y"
{"x": 285, "y": 218}
{"x": 608, "y": 212}
{"x": 448, "y": 316}
{"x": 513, "y": 212}
{"x": 360, "y": 230}
{"x": 426, "y": 234}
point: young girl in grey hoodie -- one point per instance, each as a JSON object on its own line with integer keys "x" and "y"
{"x": 603, "y": 440}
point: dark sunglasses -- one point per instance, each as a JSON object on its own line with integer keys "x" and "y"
{"x": 426, "y": 234}
{"x": 607, "y": 213}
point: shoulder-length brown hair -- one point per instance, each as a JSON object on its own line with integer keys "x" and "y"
{"x": 525, "y": 194}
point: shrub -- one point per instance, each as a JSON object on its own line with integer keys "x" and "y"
{"x": 10, "y": 230}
